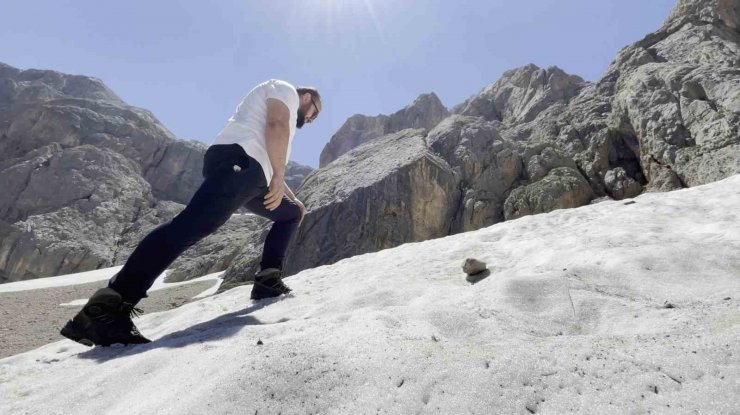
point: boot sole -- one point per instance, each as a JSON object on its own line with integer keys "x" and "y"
{"x": 269, "y": 295}
{"x": 72, "y": 331}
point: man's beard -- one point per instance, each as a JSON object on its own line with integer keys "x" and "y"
{"x": 301, "y": 119}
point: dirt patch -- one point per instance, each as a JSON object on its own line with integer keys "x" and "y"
{"x": 33, "y": 318}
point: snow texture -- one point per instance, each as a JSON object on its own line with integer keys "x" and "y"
{"x": 622, "y": 307}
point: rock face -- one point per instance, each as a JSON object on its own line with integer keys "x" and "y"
{"x": 38, "y": 108}
{"x": 73, "y": 166}
{"x": 677, "y": 92}
{"x": 425, "y": 112}
{"x": 664, "y": 116}
{"x": 84, "y": 177}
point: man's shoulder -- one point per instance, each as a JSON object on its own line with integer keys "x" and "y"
{"x": 282, "y": 83}
{"x": 281, "y": 90}
{"x": 277, "y": 84}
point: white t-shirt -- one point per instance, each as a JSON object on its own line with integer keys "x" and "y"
{"x": 247, "y": 126}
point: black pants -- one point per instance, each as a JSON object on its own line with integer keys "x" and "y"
{"x": 222, "y": 192}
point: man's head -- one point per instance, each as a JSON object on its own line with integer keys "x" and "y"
{"x": 309, "y": 105}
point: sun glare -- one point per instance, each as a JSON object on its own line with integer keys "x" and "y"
{"x": 343, "y": 16}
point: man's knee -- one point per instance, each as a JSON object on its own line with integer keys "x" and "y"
{"x": 294, "y": 213}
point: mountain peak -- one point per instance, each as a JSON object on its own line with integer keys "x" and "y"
{"x": 425, "y": 112}
{"x": 522, "y": 93}
{"x": 33, "y": 84}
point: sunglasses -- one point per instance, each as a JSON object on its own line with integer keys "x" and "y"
{"x": 315, "y": 114}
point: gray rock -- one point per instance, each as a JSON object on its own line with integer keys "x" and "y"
{"x": 488, "y": 167}
{"x": 562, "y": 188}
{"x": 425, "y": 112}
{"x": 620, "y": 185}
{"x": 52, "y": 232}
{"x": 683, "y": 100}
{"x": 387, "y": 192}
{"x": 39, "y": 108}
{"x": 472, "y": 266}
{"x": 177, "y": 171}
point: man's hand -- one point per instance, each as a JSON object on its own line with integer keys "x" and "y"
{"x": 303, "y": 210}
{"x": 275, "y": 195}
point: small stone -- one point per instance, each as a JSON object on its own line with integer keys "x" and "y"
{"x": 472, "y": 266}
{"x": 259, "y": 342}
{"x": 668, "y": 305}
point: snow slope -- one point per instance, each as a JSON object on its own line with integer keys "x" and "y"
{"x": 609, "y": 308}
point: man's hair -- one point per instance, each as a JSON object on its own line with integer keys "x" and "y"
{"x": 310, "y": 90}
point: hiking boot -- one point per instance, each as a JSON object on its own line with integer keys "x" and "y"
{"x": 104, "y": 320}
{"x": 268, "y": 283}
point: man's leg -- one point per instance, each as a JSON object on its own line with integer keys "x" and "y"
{"x": 212, "y": 205}
{"x": 106, "y": 318}
{"x": 286, "y": 218}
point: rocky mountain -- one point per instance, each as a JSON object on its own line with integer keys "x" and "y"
{"x": 663, "y": 117}
{"x": 84, "y": 176}
{"x": 425, "y": 112}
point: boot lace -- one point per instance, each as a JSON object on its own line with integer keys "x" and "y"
{"x": 128, "y": 308}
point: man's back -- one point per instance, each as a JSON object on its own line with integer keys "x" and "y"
{"x": 247, "y": 126}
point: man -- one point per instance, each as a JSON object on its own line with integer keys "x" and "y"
{"x": 245, "y": 166}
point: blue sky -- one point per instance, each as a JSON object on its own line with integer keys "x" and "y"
{"x": 191, "y": 62}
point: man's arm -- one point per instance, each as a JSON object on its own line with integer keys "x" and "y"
{"x": 277, "y": 133}
{"x": 295, "y": 200}
{"x": 289, "y": 191}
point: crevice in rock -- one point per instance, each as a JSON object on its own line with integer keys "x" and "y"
{"x": 157, "y": 161}
{"x": 522, "y": 174}
{"x": 459, "y": 209}
{"x": 693, "y": 90}
{"x": 654, "y": 54}
{"x": 624, "y": 152}
{"x": 689, "y": 139}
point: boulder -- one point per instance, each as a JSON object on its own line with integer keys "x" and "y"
{"x": 562, "y": 188}
{"x": 425, "y": 112}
